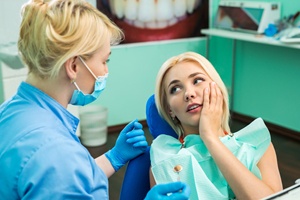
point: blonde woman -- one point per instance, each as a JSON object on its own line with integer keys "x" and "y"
{"x": 65, "y": 45}
{"x": 214, "y": 162}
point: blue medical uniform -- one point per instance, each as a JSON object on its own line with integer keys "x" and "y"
{"x": 40, "y": 155}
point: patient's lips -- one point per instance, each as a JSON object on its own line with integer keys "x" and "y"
{"x": 193, "y": 107}
{"x": 148, "y": 20}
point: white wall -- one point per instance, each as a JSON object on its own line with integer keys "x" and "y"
{"x": 10, "y": 19}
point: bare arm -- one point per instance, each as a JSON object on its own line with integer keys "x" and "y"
{"x": 105, "y": 165}
{"x": 243, "y": 182}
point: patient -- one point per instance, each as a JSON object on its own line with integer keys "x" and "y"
{"x": 214, "y": 162}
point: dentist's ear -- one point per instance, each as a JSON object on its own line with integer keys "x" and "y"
{"x": 71, "y": 67}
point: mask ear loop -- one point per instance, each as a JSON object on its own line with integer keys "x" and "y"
{"x": 76, "y": 85}
{"x": 87, "y": 67}
{"x": 74, "y": 82}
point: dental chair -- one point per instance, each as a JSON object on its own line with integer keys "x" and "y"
{"x": 136, "y": 179}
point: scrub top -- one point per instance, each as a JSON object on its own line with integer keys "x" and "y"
{"x": 41, "y": 156}
{"x": 193, "y": 164}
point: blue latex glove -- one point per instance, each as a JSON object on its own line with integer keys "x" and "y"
{"x": 169, "y": 191}
{"x": 130, "y": 143}
{"x": 271, "y": 30}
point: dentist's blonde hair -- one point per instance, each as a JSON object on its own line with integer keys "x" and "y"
{"x": 52, "y": 31}
{"x": 160, "y": 90}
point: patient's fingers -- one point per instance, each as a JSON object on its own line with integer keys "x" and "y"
{"x": 216, "y": 98}
{"x": 211, "y": 114}
{"x": 206, "y": 98}
{"x": 213, "y": 94}
{"x": 220, "y": 98}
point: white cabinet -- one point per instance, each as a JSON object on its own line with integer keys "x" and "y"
{"x": 13, "y": 73}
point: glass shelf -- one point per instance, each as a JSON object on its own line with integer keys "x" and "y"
{"x": 248, "y": 37}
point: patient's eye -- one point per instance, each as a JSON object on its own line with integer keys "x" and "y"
{"x": 174, "y": 89}
{"x": 198, "y": 80}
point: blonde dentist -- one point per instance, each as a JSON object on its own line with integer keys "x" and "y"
{"x": 65, "y": 45}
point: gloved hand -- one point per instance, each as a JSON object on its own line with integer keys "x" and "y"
{"x": 130, "y": 143}
{"x": 169, "y": 191}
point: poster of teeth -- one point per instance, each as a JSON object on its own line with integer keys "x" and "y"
{"x": 155, "y": 20}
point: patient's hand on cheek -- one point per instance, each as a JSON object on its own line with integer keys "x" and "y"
{"x": 211, "y": 114}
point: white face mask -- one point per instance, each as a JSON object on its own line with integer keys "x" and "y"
{"x": 81, "y": 99}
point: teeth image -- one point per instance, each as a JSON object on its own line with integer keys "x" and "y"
{"x": 162, "y": 24}
{"x": 164, "y": 10}
{"x": 179, "y": 8}
{"x": 151, "y": 25}
{"x": 139, "y": 24}
{"x": 146, "y": 10}
{"x": 130, "y": 9}
{"x": 111, "y": 5}
{"x": 172, "y": 21}
{"x": 198, "y": 2}
{"x": 190, "y": 5}
{"x": 117, "y": 7}
{"x": 128, "y": 21}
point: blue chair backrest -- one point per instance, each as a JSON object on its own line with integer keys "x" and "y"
{"x": 136, "y": 182}
{"x": 156, "y": 124}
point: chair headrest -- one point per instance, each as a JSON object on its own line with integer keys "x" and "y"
{"x": 156, "y": 124}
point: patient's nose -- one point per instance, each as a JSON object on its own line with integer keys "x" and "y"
{"x": 189, "y": 94}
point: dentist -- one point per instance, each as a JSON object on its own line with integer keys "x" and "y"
{"x": 65, "y": 45}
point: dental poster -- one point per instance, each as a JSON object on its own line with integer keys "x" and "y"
{"x": 155, "y": 20}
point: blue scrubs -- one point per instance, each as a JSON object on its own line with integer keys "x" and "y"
{"x": 40, "y": 155}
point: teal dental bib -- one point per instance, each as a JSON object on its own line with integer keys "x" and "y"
{"x": 199, "y": 170}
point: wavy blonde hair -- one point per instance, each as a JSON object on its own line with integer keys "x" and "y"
{"x": 52, "y": 31}
{"x": 160, "y": 90}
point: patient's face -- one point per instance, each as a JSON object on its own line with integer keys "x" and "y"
{"x": 184, "y": 85}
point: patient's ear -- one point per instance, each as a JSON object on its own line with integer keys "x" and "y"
{"x": 171, "y": 114}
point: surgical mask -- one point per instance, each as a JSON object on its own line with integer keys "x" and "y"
{"x": 81, "y": 99}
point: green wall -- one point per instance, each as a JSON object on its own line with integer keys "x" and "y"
{"x": 267, "y": 81}
{"x": 266, "y": 77}
{"x": 132, "y": 74}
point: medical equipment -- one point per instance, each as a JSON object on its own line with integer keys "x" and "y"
{"x": 290, "y": 35}
{"x": 290, "y": 193}
{"x": 177, "y": 169}
{"x": 246, "y": 16}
